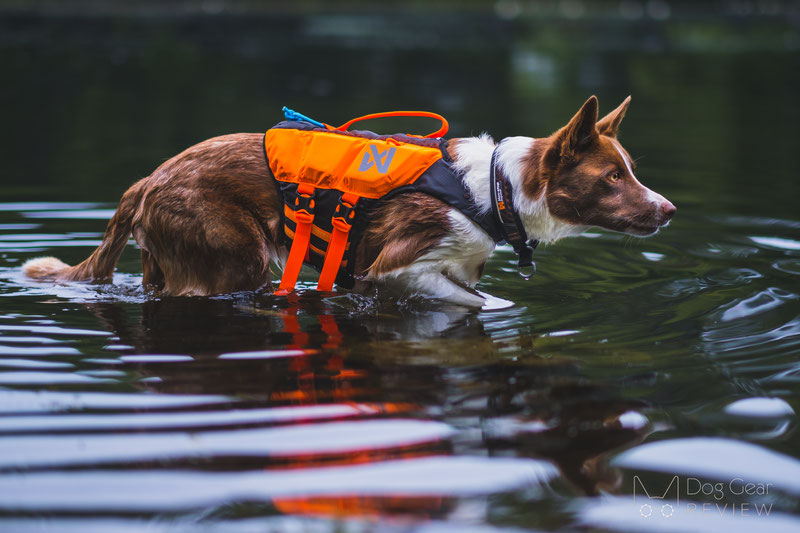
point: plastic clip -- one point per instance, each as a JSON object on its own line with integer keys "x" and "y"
{"x": 344, "y": 215}
{"x": 291, "y": 114}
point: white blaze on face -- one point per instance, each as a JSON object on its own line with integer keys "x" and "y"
{"x": 652, "y": 196}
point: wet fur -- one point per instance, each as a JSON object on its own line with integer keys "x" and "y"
{"x": 208, "y": 219}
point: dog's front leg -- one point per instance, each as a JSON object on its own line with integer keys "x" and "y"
{"x": 439, "y": 286}
{"x": 434, "y": 284}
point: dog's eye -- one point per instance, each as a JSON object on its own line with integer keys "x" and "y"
{"x": 614, "y": 176}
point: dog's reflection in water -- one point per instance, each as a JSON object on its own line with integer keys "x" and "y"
{"x": 306, "y": 351}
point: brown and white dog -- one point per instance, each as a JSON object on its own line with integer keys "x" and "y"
{"x": 208, "y": 220}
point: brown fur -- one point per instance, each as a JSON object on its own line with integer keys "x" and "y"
{"x": 395, "y": 238}
{"x": 577, "y": 164}
{"x": 208, "y": 219}
{"x": 534, "y": 182}
{"x": 43, "y": 267}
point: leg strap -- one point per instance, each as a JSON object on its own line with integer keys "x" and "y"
{"x": 342, "y": 222}
{"x": 304, "y": 218}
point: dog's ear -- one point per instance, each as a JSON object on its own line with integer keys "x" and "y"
{"x": 577, "y": 134}
{"x": 609, "y": 124}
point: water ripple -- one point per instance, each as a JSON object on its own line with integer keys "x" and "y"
{"x": 759, "y": 303}
{"x": 618, "y": 513}
{"x": 196, "y": 523}
{"x": 316, "y": 438}
{"x": 760, "y": 408}
{"x": 47, "y": 206}
{"x": 48, "y": 378}
{"x": 37, "y": 350}
{"x": 778, "y": 243}
{"x": 171, "y": 420}
{"x": 751, "y": 338}
{"x": 55, "y": 330}
{"x": 32, "y": 364}
{"x": 156, "y": 358}
{"x": 82, "y": 214}
{"x": 44, "y": 401}
{"x": 715, "y": 458}
{"x": 171, "y": 490}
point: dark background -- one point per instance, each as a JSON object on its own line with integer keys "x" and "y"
{"x": 96, "y": 94}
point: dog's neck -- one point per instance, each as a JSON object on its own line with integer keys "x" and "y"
{"x": 472, "y": 159}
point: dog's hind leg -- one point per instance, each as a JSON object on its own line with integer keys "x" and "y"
{"x": 152, "y": 276}
{"x": 201, "y": 248}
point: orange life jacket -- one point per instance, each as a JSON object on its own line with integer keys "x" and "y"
{"x": 331, "y": 180}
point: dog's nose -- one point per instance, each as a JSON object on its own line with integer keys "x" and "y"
{"x": 668, "y": 208}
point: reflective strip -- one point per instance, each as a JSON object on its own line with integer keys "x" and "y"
{"x": 289, "y": 233}
{"x": 315, "y": 230}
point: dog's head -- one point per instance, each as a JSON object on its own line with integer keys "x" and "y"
{"x": 589, "y": 177}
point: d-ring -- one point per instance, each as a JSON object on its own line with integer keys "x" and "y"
{"x": 524, "y": 275}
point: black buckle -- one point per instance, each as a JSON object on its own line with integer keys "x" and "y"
{"x": 345, "y": 211}
{"x": 304, "y": 202}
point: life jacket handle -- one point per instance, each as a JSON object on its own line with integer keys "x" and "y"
{"x": 438, "y": 133}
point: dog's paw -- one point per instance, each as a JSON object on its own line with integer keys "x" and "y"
{"x": 493, "y": 303}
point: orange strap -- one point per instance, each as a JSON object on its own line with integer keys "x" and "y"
{"x": 342, "y": 222}
{"x": 304, "y": 217}
{"x": 438, "y": 133}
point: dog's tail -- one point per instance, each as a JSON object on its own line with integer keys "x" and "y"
{"x": 99, "y": 266}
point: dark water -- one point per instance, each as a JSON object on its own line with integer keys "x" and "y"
{"x": 622, "y": 364}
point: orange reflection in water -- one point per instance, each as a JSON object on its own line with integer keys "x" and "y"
{"x": 355, "y": 506}
{"x": 334, "y": 381}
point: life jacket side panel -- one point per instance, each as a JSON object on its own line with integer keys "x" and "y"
{"x": 443, "y": 183}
